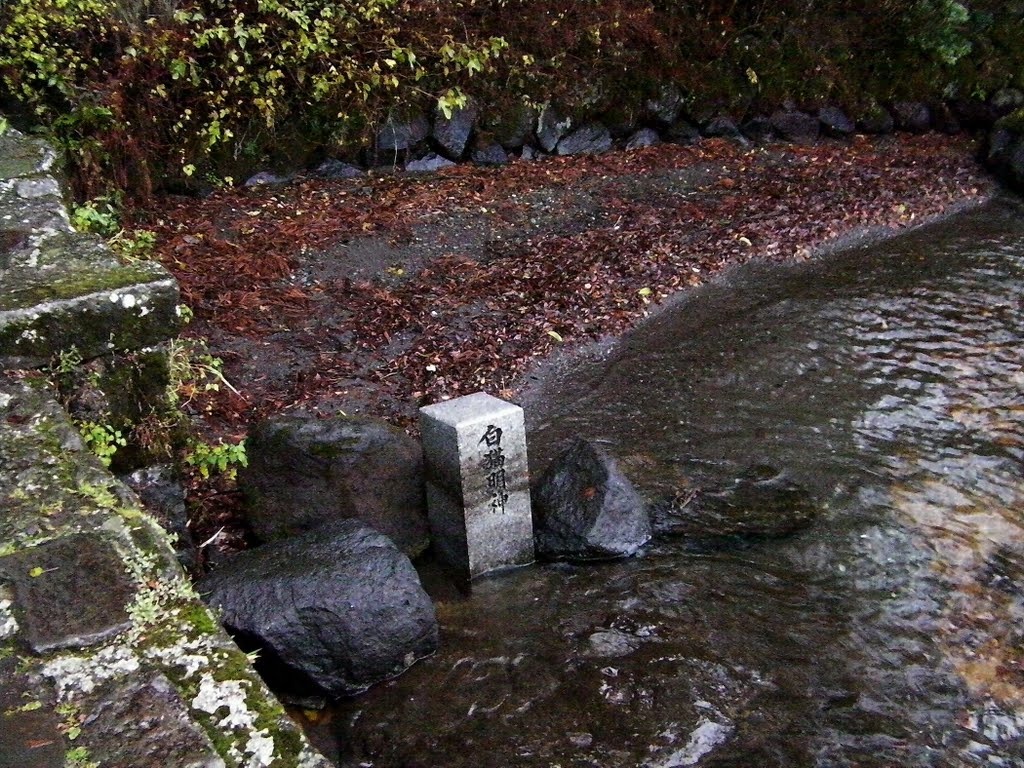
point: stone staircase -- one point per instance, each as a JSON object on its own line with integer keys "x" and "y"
{"x": 107, "y": 656}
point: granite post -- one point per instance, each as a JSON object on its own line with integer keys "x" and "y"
{"x": 478, "y": 488}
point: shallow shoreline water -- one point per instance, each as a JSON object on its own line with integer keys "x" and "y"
{"x": 886, "y": 379}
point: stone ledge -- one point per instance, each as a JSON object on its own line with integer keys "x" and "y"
{"x": 59, "y": 288}
{"x": 108, "y": 654}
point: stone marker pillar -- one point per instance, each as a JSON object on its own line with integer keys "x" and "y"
{"x": 478, "y": 486}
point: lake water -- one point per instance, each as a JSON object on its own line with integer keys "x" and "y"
{"x": 888, "y": 381}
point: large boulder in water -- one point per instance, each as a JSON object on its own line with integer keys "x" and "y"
{"x": 332, "y": 611}
{"x": 304, "y": 472}
{"x": 584, "y": 508}
{"x": 762, "y": 501}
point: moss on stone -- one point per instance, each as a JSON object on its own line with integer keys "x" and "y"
{"x": 1013, "y": 122}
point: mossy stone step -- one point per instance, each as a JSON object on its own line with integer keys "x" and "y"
{"x": 107, "y": 637}
{"x": 68, "y": 290}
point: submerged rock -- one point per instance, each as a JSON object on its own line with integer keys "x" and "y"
{"x": 304, "y": 472}
{"x": 335, "y": 610}
{"x": 761, "y": 502}
{"x": 584, "y": 508}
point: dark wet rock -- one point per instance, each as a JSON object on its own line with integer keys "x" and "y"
{"x": 451, "y": 134}
{"x": 912, "y": 116}
{"x": 332, "y": 168}
{"x": 666, "y": 108}
{"x": 758, "y": 129}
{"x": 876, "y": 119}
{"x": 721, "y": 127}
{"x": 1005, "y": 154}
{"x": 584, "y": 508}
{"x": 590, "y": 139}
{"x": 552, "y": 125}
{"x": 489, "y": 154}
{"x": 29, "y": 737}
{"x": 116, "y": 389}
{"x": 760, "y": 502}
{"x": 336, "y": 609}
{"x": 1006, "y": 100}
{"x": 622, "y": 120}
{"x": 70, "y": 290}
{"x": 794, "y": 125}
{"x": 612, "y": 643}
{"x": 682, "y": 132}
{"x": 69, "y": 593}
{"x": 266, "y": 179}
{"x": 530, "y": 153}
{"x": 511, "y": 126}
{"x": 428, "y": 163}
{"x": 163, "y": 495}
{"x": 645, "y": 137}
{"x": 397, "y": 135}
{"x": 973, "y": 114}
{"x": 835, "y": 122}
{"x": 944, "y": 119}
{"x": 304, "y": 472}
{"x": 144, "y": 723}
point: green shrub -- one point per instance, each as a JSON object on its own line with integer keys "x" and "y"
{"x": 191, "y": 89}
{"x": 147, "y": 92}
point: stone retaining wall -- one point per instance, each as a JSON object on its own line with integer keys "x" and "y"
{"x": 107, "y": 656}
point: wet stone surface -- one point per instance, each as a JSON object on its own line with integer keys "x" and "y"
{"x": 29, "y": 733}
{"x": 70, "y": 593}
{"x": 886, "y": 381}
{"x": 761, "y": 501}
{"x": 478, "y": 495}
{"x": 23, "y": 156}
{"x": 107, "y": 656}
{"x": 143, "y": 723}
